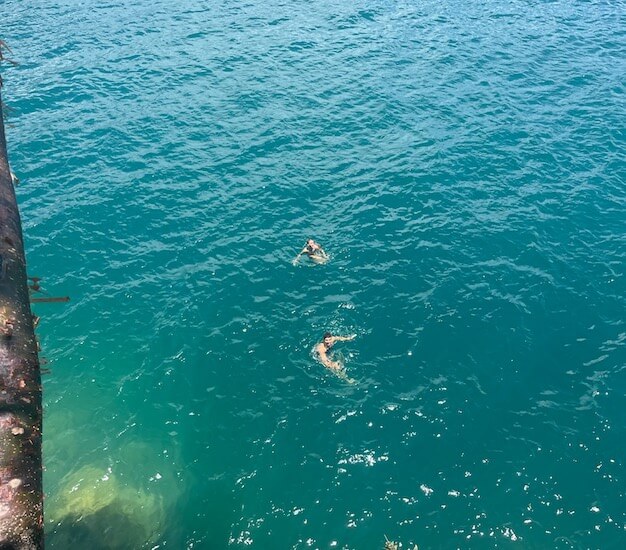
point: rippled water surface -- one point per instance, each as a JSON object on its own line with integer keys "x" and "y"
{"x": 462, "y": 163}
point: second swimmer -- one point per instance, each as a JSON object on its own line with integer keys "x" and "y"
{"x": 314, "y": 251}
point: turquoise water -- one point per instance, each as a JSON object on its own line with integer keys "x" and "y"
{"x": 462, "y": 163}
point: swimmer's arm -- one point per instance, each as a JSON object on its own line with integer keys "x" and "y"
{"x": 297, "y": 258}
{"x": 332, "y": 365}
{"x": 344, "y": 338}
{"x": 326, "y": 361}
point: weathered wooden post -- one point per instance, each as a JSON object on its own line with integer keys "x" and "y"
{"x": 21, "y": 497}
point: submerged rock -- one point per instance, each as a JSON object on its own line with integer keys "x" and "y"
{"x": 95, "y": 510}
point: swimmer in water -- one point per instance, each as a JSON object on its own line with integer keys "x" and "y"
{"x": 322, "y": 349}
{"x": 314, "y": 251}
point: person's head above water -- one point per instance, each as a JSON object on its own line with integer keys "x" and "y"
{"x": 327, "y": 339}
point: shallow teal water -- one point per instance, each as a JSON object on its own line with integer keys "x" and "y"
{"x": 464, "y": 166}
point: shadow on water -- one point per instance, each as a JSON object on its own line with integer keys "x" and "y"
{"x": 108, "y": 528}
{"x": 116, "y": 527}
{"x": 95, "y": 509}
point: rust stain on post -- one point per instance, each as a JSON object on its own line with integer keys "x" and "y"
{"x": 21, "y": 497}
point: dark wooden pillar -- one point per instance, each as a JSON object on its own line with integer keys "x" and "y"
{"x": 21, "y": 496}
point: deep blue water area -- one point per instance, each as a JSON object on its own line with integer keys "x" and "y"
{"x": 463, "y": 165}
